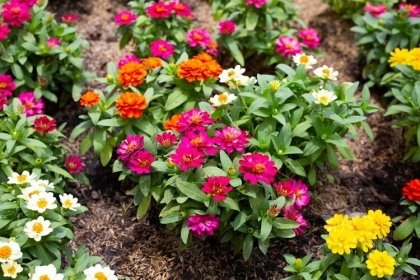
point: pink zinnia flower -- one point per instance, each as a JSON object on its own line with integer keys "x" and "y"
{"x": 256, "y": 3}
{"x": 231, "y": 139}
{"x": 141, "y": 162}
{"x": 309, "y": 37}
{"x": 166, "y": 139}
{"x": 161, "y": 48}
{"x": 44, "y": 125}
{"x": 226, "y": 27}
{"x": 375, "y": 10}
{"x": 200, "y": 140}
{"x": 69, "y": 18}
{"x": 159, "y": 10}
{"x": 129, "y": 146}
{"x": 30, "y": 104}
{"x": 293, "y": 214}
{"x": 194, "y": 119}
{"x": 198, "y": 37}
{"x": 74, "y": 164}
{"x": 218, "y": 187}
{"x": 53, "y": 42}
{"x": 15, "y": 14}
{"x": 7, "y": 85}
{"x": 187, "y": 157}
{"x": 125, "y": 17}
{"x": 257, "y": 167}
{"x": 4, "y": 31}
{"x": 28, "y": 3}
{"x": 288, "y": 46}
{"x": 128, "y": 58}
{"x": 412, "y": 10}
{"x": 203, "y": 225}
{"x": 3, "y": 101}
{"x": 182, "y": 10}
{"x": 296, "y": 189}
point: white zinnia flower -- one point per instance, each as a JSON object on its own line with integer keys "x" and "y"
{"x": 9, "y": 251}
{"x": 46, "y": 272}
{"x": 44, "y": 184}
{"x": 326, "y": 73}
{"x": 28, "y": 192}
{"x": 98, "y": 272}
{"x": 41, "y": 202}
{"x": 38, "y": 228}
{"x": 11, "y": 269}
{"x": 222, "y": 99}
{"x": 20, "y": 179}
{"x": 304, "y": 59}
{"x": 234, "y": 77}
{"x": 324, "y": 97}
{"x": 69, "y": 202}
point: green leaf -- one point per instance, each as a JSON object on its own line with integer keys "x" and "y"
{"x": 240, "y": 219}
{"x": 266, "y": 227}
{"x": 251, "y": 20}
{"x": 230, "y": 204}
{"x": 175, "y": 99}
{"x": 185, "y": 232}
{"x": 143, "y": 206}
{"x": 235, "y": 51}
{"x": 191, "y": 190}
{"x": 247, "y": 247}
{"x": 58, "y": 170}
{"x": 109, "y": 122}
{"x": 405, "y": 229}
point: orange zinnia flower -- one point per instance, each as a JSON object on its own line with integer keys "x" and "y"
{"x": 131, "y": 74}
{"x": 172, "y": 123}
{"x": 412, "y": 190}
{"x": 204, "y": 57}
{"x": 89, "y": 99}
{"x": 131, "y": 105}
{"x": 152, "y": 63}
{"x": 199, "y": 68}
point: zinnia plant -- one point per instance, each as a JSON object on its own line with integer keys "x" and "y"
{"x": 348, "y": 8}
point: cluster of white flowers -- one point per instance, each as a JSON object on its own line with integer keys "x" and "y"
{"x": 96, "y": 272}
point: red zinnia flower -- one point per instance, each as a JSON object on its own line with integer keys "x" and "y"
{"x": 411, "y": 190}
{"x": 74, "y": 164}
{"x": 44, "y": 124}
{"x": 218, "y": 187}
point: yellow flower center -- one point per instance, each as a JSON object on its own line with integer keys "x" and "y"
{"x": 5, "y": 252}
{"x": 231, "y": 73}
{"x": 326, "y": 71}
{"x": 42, "y": 203}
{"x": 258, "y": 168}
{"x": 223, "y": 98}
{"x": 162, "y": 48}
{"x": 196, "y": 119}
{"x": 11, "y": 270}
{"x": 197, "y": 37}
{"x": 44, "y": 277}
{"x": 125, "y": 17}
{"x": 323, "y": 99}
{"x": 187, "y": 158}
{"x": 304, "y": 59}
{"x": 37, "y": 227}
{"x": 100, "y": 276}
{"x": 22, "y": 179}
{"x": 68, "y": 203}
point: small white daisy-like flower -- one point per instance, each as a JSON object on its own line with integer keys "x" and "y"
{"x": 21, "y": 179}
{"x": 44, "y": 184}
{"x": 326, "y": 73}
{"x": 222, "y": 99}
{"x": 324, "y": 97}
{"x": 9, "y": 251}
{"x": 46, "y": 272}
{"x": 234, "y": 77}
{"x": 41, "y": 202}
{"x": 99, "y": 272}
{"x": 11, "y": 269}
{"x": 38, "y": 228}
{"x": 303, "y": 59}
{"x": 69, "y": 202}
{"x": 28, "y": 192}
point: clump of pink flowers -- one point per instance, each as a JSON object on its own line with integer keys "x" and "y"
{"x": 257, "y": 168}
{"x": 69, "y": 18}
{"x": 218, "y": 187}
{"x": 256, "y": 3}
{"x": 187, "y": 158}
{"x": 15, "y": 13}
{"x": 74, "y": 164}
{"x": 293, "y": 214}
{"x": 198, "y": 37}
{"x": 53, "y": 42}
{"x": 194, "y": 119}
{"x": 132, "y": 154}
{"x": 294, "y": 189}
{"x": 7, "y": 85}
{"x": 159, "y": 10}
{"x": 226, "y": 27}
{"x": 162, "y": 49}
{"x": 182, "y": 10}
{"x": 375, "y": 10}
{"x": 4, "y": 31}
{"x": 200, "y": 140}
{"x": 28, "y": 3}
{"x": 412, "y": 10}
{"x": 125, "y": 17}
{"x": 231, "y": 139}
{"x": 309, "y": 37}
{"x": 141, "y": 162}
{"x": 203, "y": 225}
{"x": 129, "y": 146}
{"x": 30, "y": 104}
{"x": 128, "y": 58}
{"x": 288, "y": 46}
{"x": 166, "y": 139}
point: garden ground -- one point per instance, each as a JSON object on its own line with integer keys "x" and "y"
{"x": 146, "y": 250}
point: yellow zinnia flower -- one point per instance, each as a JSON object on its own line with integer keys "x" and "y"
{"x": 336, "y": 221}
{"x": 380, "y": 264}
{"x": 381, "y": 223}
{"x": 363, "y": 228}
{"x": 341, "y": 241}
{"x": 415, "y": 59}
{"x": 400, "y": 56}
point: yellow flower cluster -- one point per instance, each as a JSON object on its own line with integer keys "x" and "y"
{"x": 406, "y": 57}
{"x": 345, "y": 234}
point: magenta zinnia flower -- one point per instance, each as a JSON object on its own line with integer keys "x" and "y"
{"x": 15, "y": 13}
{"x": 30, "y": 104}
{"x": 203, "y": 225}
{"x": 166, "y": 139}
{"x": 44, "y": 124}
{"x": 187, "y": 157}
{"x": 28, "y": 3}
{"x": 7, "y": 85}
{"x": 3, "y": 101}
{"x": 129, "y": 146}
{"x": 182, "y": 10}
{"x": 74, "y": 164}
{"x": 291, "y": 188}
{"x": 198, "y": 37}
{"x": 226, "y": 27}
{"x": 218, "y": 187}
{"x": 159, "y": 10}
{"x": 309, "y": 37}
{"x": 125, "y": 17}
{"x": 194, "y": 119}
{"x": 257, "y": 167}
{"x": 4, "y": 31}
{"x": 69, "y": 18}
{"x": 200, "y": 140}
{"x": 256, "y": 3}
{"x": 53, "y": 42}
{"x": 141, "y": 162}
{"x": 128, "y": 58}
{"x": 161, "y": 48}
{"x": 412, "y": 10}
{"x": 231, "y": 139}
{"x": 288, "y": 46}
{"x": 293, "y": 214}
{"x": 375, "y": 10}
